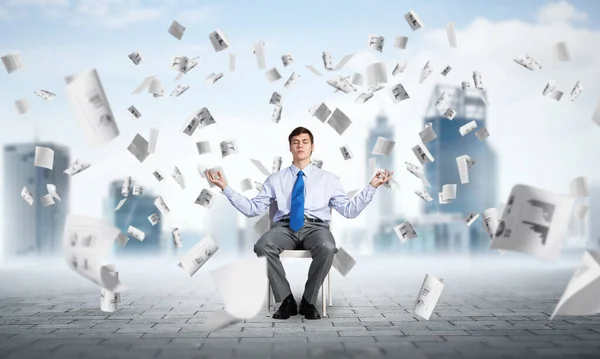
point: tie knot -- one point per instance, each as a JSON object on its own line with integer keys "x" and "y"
{"x": 300, "y": 173}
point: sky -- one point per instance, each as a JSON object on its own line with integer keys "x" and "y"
{"x": 539, "y": 141}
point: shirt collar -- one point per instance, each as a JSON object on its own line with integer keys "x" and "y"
{"x": 307, "y": 170}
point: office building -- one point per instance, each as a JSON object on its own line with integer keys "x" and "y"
{"x": 34, "y": 229}
{"x": 481, "y": 191}
{"x": 593, "y": 232}
{"x": 440, "y": 233}
{"x": 135, "y": 212}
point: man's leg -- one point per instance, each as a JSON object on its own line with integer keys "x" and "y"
{"x": 270, "y": 245}
{"x": 317, "y": 238}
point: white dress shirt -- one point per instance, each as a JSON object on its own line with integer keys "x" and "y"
{"x": 322, "y": 190}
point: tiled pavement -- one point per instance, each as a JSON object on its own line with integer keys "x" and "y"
{"x": 493, "y": 307}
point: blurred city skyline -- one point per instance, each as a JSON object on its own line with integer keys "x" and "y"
{"x": 519, "y": 118}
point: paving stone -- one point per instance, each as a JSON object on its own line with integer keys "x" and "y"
{"x": 484, "y": 314}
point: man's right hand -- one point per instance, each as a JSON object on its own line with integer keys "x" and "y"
{"x": 216, "y": 178}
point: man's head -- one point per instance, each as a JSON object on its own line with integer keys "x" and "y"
{"x": 301, "y": 143}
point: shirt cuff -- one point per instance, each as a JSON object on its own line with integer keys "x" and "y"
{"x": 228, "y": 192}
{"x": 370, "y": 191}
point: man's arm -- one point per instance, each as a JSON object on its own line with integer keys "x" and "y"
{"x": 350, "y": 208}
{"x": 255, "y": 206}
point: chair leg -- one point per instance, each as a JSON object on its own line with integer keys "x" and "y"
{"x": 329, "y": 296}
{"x": 324, "y": 296}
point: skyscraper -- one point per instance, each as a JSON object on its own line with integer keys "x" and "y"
{"x": 135, "y": 213}
{"x": 34, "y": 229}
{"x": 593, "y": 233}
{"x": 380, "y": 212}
{"x": 481, "y": 191}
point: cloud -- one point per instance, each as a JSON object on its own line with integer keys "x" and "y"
{"x": 199, "y": 14}
{"x": 110, "y": 14}
{"x": 39, "y": 3}
{"x": 561, "y": 11}
{"x": 121, "y": 18}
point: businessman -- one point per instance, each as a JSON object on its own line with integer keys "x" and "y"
{"x": 304, "y": 195}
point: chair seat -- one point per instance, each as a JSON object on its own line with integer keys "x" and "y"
{"x": 295, "y": 253}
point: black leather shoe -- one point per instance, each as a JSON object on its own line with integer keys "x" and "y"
{"x": 308, "y": 310}
{"x": 288, "y": 308}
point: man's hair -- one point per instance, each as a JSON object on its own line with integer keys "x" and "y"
{"x": 298, "y": 131}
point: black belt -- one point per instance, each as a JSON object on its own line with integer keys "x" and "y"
{"x": 306, "y": 219}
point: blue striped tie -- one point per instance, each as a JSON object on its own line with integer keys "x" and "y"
{"x": 297, "y": 210}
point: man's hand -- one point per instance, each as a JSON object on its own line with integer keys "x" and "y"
{"x": 216, "y": 178}
{"x": 381, "y": 178}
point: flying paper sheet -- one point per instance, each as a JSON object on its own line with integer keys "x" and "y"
{"x": 135, "y": 57}
{"x": 228, "y": 147}
{"x": 176, "y": 238}
{"x": 343, "y": 262}
{"x": 13, "y": 62}
{"x": 76, "y": 167}
{"x": 219, "y": 40}
{"x": 198, "y": 255}
{"x": 472, "y": 217}
{"x": 424, "y": 195}
{"x": 86, "y": 240}
{"x": 22, "y": 106}
{"x": 579, "y": 187}
{"x": 346, "y": 153}
{"x": 286, "y": 60}
{"x": 44, "y": 157}
{"x": 413, "y": 20}
{"x": 321, "y": 112}
{"x": 91, "y": 107}
{"x": 376, "y": 42}
{"x": 109, "y": 300}
{"x": 534, "y": 221}
{"x": 339, "y": 121}
{"x": 451, "y": 32}
{"x": 27, "y": 196}
{"x": 176, "y": 30}
{"x": 405, "y": 232}
{"x": 383, "y": 146}
{"x": 429, "y": 295}
{"x": 428, "y": 134}
{"x": 205, "y": 198}
{"x": 400, "y": 42}
{"x": 561, "y": 51}
{"x": 581, "y": 295}
{"x": 243, "y": 288}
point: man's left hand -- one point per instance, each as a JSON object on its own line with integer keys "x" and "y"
{"x": 381, "y": 178}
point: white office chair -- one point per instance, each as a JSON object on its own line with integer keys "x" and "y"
{"x": 298, "y": 253}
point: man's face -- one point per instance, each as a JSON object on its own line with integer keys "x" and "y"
{"x": 301, "y": 146}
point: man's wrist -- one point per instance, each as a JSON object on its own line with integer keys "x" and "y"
{"x": 226, "y": 190}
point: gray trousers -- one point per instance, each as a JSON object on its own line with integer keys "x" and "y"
{"x": 314, "y": 237}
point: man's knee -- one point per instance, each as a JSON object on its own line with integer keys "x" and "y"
{"x": 327, "y": 246}
{"x": 266, "y": 244}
